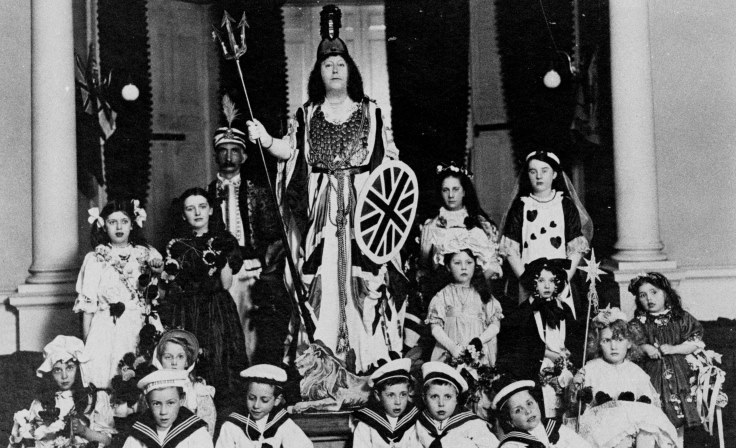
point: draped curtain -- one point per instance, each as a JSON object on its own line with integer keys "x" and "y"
{"x": 124, "y": 52}
{"x": 427, "y": 45}
{"x": 540, "y": 117}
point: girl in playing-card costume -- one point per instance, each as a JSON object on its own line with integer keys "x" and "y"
{"x": 112, "y": 287}
{"x": 545, "y": 219}
{"x": 624, "y": 407}
{"x": 388, "y": 420}
{"x": 444, "y": 423}
{"x": 66, "y": 403}
{"x": 178, "y": 350}
{"x": 522, "y": 422}
{"x": 670, "y": 333}
{"x": 464, "y": 311}
{"x": 264, "y": 422}
{"x": 167, "y": 422}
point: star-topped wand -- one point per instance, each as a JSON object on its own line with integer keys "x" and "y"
{"x": 232, "y": 50}
{"x": 592, "y": 267}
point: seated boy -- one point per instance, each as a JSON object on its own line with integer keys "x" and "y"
{"x": 388, "y": 419}
{"x": 444, "y": 423}
{"x": 522, "y": 421}
{"x": 167, "y": 422}
{"x": 265, "y": 421}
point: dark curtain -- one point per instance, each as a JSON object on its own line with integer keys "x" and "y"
{"x": 540, "y": 117}
{"x": 124, "y": 51}
{"x": 264, "y": 70}
{"x": 427, "y": 49}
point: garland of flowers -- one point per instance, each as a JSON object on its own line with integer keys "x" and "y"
{"x": 427, "y": 43}
{"x": 124, "y": 51}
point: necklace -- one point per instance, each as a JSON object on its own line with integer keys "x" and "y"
{"x": 543, "y": 201}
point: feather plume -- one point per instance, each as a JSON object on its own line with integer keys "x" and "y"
{"x": 229, "y": 109}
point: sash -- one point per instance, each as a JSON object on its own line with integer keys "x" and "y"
{"x": 185, "y": 424}
{"x": 250, "y": 429}
{"x": 457, "y": 420}
{"x": 379, "y": 422}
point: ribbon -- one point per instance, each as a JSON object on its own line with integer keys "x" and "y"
{"x": 94, "y": 216}
{"x": 139, "y": 212}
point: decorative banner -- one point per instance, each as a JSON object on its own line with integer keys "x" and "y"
{"x": 385, "y": 211}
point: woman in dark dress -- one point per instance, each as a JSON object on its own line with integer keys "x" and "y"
{"x": 198, "y": 271}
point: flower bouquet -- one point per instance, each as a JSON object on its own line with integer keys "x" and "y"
{"x": 46, "y": 428}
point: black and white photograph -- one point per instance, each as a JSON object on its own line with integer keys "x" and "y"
{"x": 367, "y": 224}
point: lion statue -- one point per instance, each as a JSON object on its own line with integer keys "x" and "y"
{"x": 326, "y": 384}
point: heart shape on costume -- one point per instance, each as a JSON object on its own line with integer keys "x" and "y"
{"x": 533, "y": 237}
{"x": 531, "y": 215}
{"x": 556, "y": 242}
{"x": 543, "y": 231}
{"x": 553, "y": 224}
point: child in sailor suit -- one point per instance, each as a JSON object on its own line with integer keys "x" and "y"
{"x": 388, "y": 419}
{"x": 265, "y": 424}
{"x": 167, "y": 423}
{"x": 442, "y": 424}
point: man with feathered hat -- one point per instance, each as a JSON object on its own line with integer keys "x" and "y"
{"x": 249, "y": 213}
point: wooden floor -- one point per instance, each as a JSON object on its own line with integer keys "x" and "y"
{"x": 18, "y": 381}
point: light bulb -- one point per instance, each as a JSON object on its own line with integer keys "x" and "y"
{"x": 130, "y": 92}
{"x": 552, "y": 79}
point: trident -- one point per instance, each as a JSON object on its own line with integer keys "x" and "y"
{"x": 234, "y": 53}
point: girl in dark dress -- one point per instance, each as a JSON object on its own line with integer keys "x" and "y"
{"x": 671, "y": 333}
{"x": 199, "y": 270}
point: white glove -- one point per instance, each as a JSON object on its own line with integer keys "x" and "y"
{"x": 256, "y": 131}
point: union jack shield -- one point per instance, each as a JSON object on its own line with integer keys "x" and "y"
{"x": 385, "y": 210}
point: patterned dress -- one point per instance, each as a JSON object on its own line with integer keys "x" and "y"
{"x": 108, "y": 288}
{"x": 671, "y": 374}
{"x": 197, "y": 302}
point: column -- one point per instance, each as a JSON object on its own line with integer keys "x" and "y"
{"x": 638, "y": 247}
{"x": 55, "y": 240}
{"x": 44, "y": 302}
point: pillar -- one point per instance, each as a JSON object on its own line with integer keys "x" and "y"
{"x": 44, "y": 302}
{"x": 639, "y": 247}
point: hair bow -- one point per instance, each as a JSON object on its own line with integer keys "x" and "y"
{"x": 94, "y": 215}
{"x": 139, "y": 212}
{"x": 459, "y": 242}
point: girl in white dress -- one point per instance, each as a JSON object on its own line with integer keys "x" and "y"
{"x": 464, "y": 312}
{"x": 625, "y": 409}
{"x": 112, "y": 285}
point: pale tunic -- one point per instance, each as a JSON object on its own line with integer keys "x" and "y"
{"x": 365, "y": 436}
{"x": 99, "y": 285}
{"x": 619, "y": 422}
{"x": 461, "y": 313}
{"x": 472, "y": 434}
{"x": 198, "y": 439}
{"x": 289, "y": 435}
